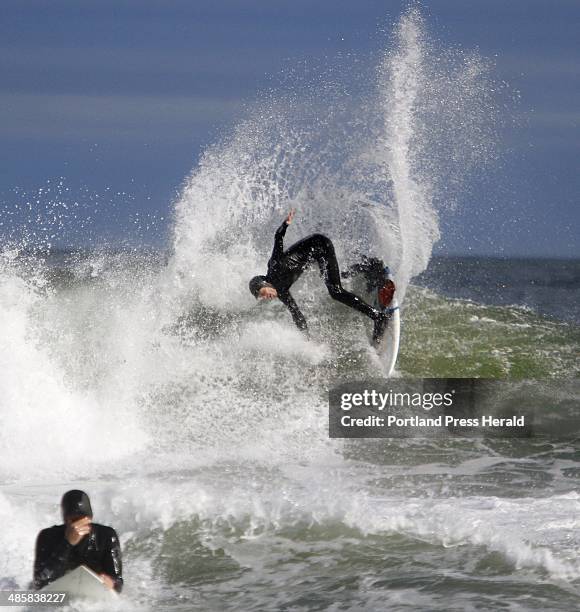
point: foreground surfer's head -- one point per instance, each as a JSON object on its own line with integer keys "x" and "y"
{"x": 75, "y": 504}
{"x": 261, "y": 289}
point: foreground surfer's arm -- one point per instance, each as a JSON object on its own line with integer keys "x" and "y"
{"x": 50, "y": 561}
{"x": 112, "y": 566}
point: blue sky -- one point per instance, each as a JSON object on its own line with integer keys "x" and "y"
{"x": 120, "y": 98}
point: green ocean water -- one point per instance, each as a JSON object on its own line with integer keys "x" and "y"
{"x": 446, "y": 337}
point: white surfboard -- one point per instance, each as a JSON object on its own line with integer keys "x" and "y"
{"x": 82, "y": 583}
{"x": 388, "y": 346}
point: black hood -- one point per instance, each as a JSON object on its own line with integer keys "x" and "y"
{"x": 76, "y": 502}
{"x": 257, "y": 283}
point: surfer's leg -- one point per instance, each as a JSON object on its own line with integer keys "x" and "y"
{"x": 371, "y": 267}
{"x": 323, "y": 252}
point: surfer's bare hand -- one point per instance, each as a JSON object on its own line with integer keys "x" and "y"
{"x": 77, "y": 530}
{"x": 290, "y": 216}
{"x": 267, "y": 293}
{"x": 107, "y": 581}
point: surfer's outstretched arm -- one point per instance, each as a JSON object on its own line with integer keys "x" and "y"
{"x": 279, "y": 241}
{"x": 279, "y": 237}
{"x": 288, "y": 301}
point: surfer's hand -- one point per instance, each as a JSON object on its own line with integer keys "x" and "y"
{"x": 107, "y": 581}
{"x": 290, "y": 216}
{"x": 77, "y": 530}
{"x": 267, "y": 293}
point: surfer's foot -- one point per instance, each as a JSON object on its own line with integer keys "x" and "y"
{"x": 380, "y": 326}
{"x": 386, "y": 293}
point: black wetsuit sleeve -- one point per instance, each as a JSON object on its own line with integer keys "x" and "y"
{"x": 288, "y": 301}
{"x": 112, "y": 564}
{"x": 279, "y": 242}
{"x": 51, "y": 558}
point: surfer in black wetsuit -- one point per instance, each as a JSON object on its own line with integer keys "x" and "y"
{"x": 285, "y": 267}
{"x": 79, "y": 541}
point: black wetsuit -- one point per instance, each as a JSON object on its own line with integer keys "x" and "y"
{"x": 99, "y": 551}
{"x": 285, "y": 267}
